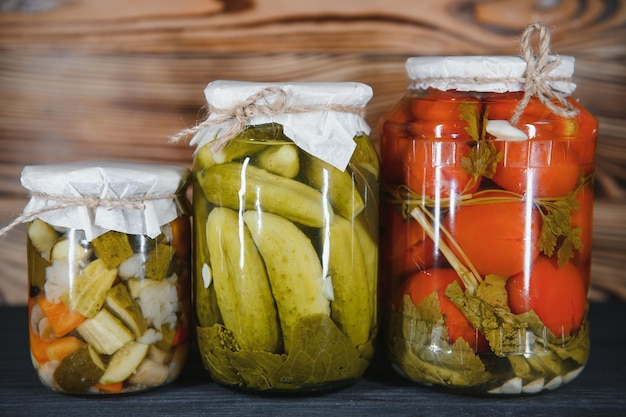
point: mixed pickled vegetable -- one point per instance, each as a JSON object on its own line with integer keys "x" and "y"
{"x": 486, "y": 238}
{"x": 285, "y": 263}
{"x": 110, "y": 315}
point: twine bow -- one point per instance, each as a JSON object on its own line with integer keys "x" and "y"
{"x": 537, "y": 76}
{"x": 137, "y": 203}
{"x": 257, "y": 104}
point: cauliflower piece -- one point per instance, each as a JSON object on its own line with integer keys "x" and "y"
{"x": 158, "y": 301}
{"x": 57, "y": 280}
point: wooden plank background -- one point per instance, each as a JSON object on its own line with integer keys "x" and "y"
{"x": 89, "y": 79}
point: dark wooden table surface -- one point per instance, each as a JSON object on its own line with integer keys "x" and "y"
{"x": 599, "y": 391}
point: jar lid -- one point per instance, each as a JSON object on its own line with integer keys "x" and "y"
{"x": 101, "y": 196}
{"x": 321, "y": 118}
{"x": 497, "y": 74}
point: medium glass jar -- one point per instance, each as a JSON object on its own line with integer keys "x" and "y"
{"x": 486, "y": 227}
{"x": 109, "y": 267}
{"x": 286, "y": 237}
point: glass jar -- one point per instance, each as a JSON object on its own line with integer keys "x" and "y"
{"x": 486, "y": 227}
{"x": 286, "y": 237}
{"x": 109, "y": 267}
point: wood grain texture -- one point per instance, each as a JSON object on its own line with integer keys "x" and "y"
{"x": 86, "y": 79}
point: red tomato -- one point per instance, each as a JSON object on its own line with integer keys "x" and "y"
{"x": 499, "y": 238}
{"x": 406, "y": 247}
{"x": 503, "y": 106}
{"x": 428, "y": 129}
{"x": 537, "y": 168}
{"x": 423, "y": 283}
{"x": 557, "y": 295}
{"x": 440, "y": 114}
{"x": 433, "y": 169}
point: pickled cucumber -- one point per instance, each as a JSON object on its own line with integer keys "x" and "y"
{"x": 89, "y": 289}
{"x": 365, "y": 157}
{"x": 203, "y": 158}
{"x": 249, "y": 142}
{"x": 158, "y": 262}
{"x": 124, "y": 362}
{"x": 112, "y": 248}
{"x": 207, "y": 313}
{"x": 338, "y": 185}
{"x": 368, "y": 239}
{"x": 282, "y": 160}
{"x": 237, "y": 186}
{"x": 293, "y": 267}
{"x": 36, "y": 266}
{"x": 241, "y": 283}
{"x": 351, "y": 307}
{"x": 105, "y": 332}
{"x": 42, "y": 236}
{"x": 120, "y": 303}
{"x": 167, "y": 337}
{"x": 79, "y": 371}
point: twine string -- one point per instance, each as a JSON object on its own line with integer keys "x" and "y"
{"x": 537, "y": 75}
{"x": 257, "y": 104}
{"x": 136, "y": 203}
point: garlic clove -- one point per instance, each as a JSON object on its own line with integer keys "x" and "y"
{"x": 503, "y": 130}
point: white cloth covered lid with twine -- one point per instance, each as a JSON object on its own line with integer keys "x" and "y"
{"x": 100, "y": 196}
{"x": 321, "y": 118}
{"x": 542, "y": 75}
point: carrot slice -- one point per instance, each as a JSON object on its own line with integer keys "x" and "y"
{"x": 38, "y": 347}
{"x": 60, "y": 348}
{"x": 114, "y": 388}
{"x": 62, "y": 319}
{"x": 181, "y": 335}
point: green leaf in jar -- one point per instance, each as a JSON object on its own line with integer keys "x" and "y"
{"x": 256, "y": 368}
{"x": 320, "y": 354}
{"x": 556, "y": 228}
{"x": 215, "y": 343}
{"x": 470, "y": 113}
{"x": 575, "y": 347}
{"x": 483, "y": 156}
{"x": 505, "y": 332}
{"x": 423, "y": 352}
{"x": 482, "y": 160}
{"x": 493, "y": 290}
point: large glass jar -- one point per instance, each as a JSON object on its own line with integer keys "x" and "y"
{"x": 486, "y": 227}
{"x": 285, "y": 226}
{"x": 109, "y": 268}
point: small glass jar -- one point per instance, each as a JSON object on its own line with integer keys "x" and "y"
{"x": 109, "y": 267}
{"x": 486, "y": 228}
{"x": 286, "y": 238}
